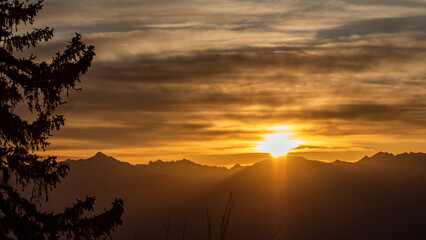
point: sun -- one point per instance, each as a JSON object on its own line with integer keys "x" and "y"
{"x": 278, "y": 144}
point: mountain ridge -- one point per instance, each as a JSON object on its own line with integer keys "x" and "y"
{"x": 379, "y": 156}
{"x": 377, "y": 197}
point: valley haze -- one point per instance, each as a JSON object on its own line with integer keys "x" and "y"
{"x": 377, "y": 197}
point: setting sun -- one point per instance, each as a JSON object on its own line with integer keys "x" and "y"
{"x": 278, "y": 144}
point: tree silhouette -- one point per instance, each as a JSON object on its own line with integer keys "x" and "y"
{"x": 41, "y": 86}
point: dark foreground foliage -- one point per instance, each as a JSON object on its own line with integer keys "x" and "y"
{"x": 41, "y": 86}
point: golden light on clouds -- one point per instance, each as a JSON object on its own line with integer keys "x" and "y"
{"x": 278, "y": 144}
{"x": 165, "y": 84}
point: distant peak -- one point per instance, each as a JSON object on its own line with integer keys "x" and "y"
{"x": 237, "y": 166}
{"x": 100, "y": 157}
{"x": 339, "y": 162}
{"x": 383, "y": 154}
{"x": 186, "y": 161}
{"x": 378, "y": 157}
{"x": 296, "y": 157}
{"x": 178, "y": 162}
{"x": 100, "y": 154}
{"x": 159, "y": 161}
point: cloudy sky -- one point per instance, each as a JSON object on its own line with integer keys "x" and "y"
{"x": 208, "y": 80}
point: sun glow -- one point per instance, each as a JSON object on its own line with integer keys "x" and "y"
{"x": 278, "y": 144}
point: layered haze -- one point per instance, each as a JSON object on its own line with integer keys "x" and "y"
{"x": 377, "y": 197}
{"x": 209, "y": 80}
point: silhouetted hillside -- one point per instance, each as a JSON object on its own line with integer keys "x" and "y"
{"x": 378, "y": 197}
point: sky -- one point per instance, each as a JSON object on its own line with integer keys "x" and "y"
{"x": 210, "y": 80}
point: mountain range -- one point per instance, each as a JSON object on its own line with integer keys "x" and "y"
{"x": 377, "y": 197}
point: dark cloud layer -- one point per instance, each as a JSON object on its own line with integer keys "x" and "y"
{"x": 413, "y": 24}
{"x": 409, "y": 3}
{"x": 157, "y": 99}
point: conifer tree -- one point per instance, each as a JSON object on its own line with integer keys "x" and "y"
{"x": 41, "y": 86}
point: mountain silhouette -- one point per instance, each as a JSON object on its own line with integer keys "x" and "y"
{"x": 377, "y": 197}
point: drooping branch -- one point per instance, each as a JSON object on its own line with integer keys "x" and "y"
{"x": 24, "y": 219}
{"x": 41, "y": 86}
